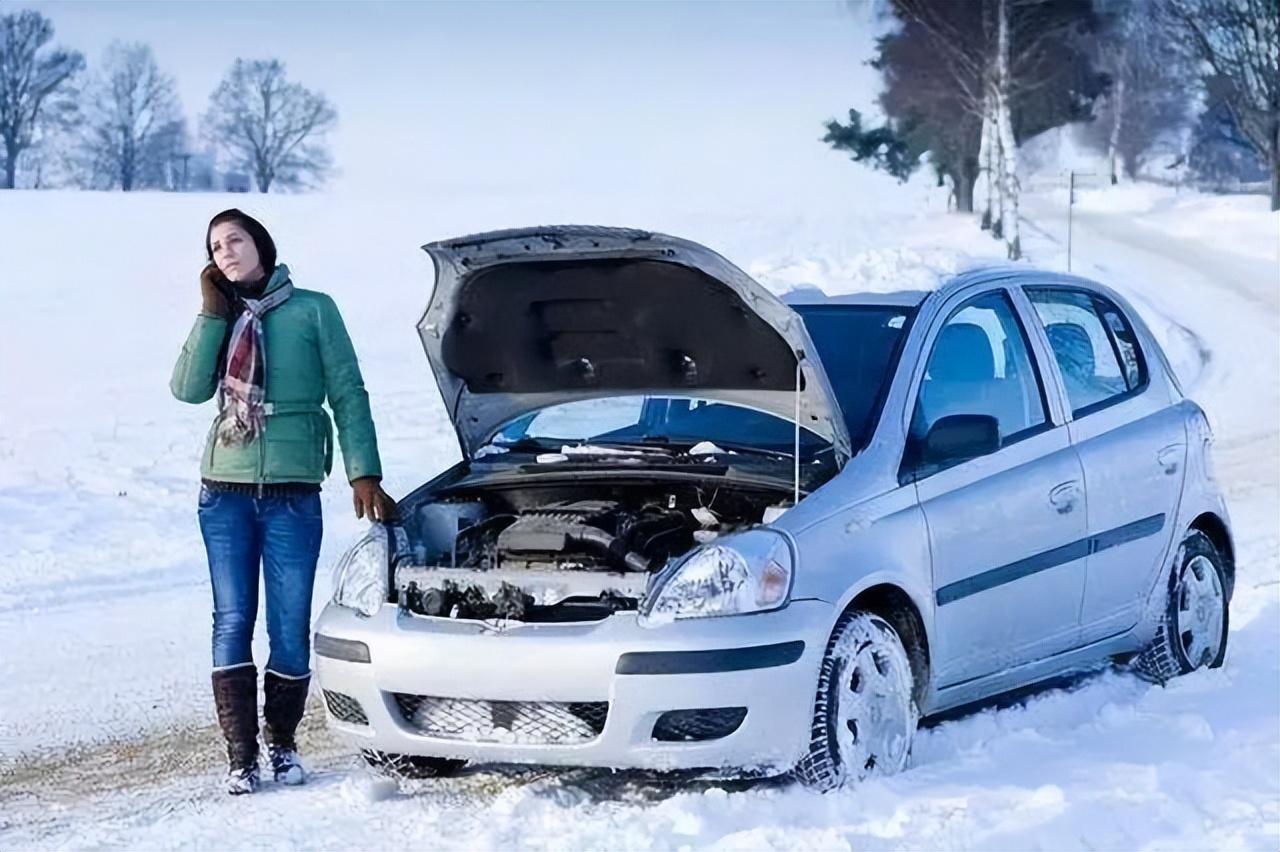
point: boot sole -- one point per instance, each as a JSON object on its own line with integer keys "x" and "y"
{"x": 294, "y": 777}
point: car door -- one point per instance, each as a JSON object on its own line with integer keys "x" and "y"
{"x": 1007, "y": 529}
{"x": 1132, "y": 445}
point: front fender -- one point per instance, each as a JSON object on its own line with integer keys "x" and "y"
{"x": 881, "y": 541}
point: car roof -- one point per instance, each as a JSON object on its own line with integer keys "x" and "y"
{"x": 990, "y": 272}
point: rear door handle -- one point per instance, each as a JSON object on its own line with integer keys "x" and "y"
{"x": 1065, "y": 496}
{"x": 1170, "y": 457}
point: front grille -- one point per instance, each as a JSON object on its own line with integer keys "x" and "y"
{"x": 711, "y": 723}
{"x": 344, "y": 708}
{"x": 534, "y": 722}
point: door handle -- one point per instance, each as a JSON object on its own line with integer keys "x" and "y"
{"x": 1169, "y": 458}
{"x": 1064, "y": 497}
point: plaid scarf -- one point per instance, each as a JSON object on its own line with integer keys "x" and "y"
{"x": 242, "y": 392}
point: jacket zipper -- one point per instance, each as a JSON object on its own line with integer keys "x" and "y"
{"x": 262, "y": 437}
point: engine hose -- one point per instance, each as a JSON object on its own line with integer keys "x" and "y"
{"x": 609, "y": 545}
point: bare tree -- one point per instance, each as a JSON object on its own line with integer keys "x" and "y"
{"x": 48, "y": 160}
{"x": 272, "y": 128}
{"x": 30, "y": 78}
{"x": 133, "y": 123}
{"x": 1154, "y": 80}
{"x": 1014, "y": 65}
{"x": 1240, "y": 42}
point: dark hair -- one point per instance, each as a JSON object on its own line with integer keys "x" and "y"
{"x": 261, "y": 239}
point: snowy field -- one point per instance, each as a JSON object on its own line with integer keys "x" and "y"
{"x": 106, "y": 733}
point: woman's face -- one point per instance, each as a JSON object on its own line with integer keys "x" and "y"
{"x": 234, "y": 252}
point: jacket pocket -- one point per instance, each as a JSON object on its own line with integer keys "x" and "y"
{"x": 295, "y": 450}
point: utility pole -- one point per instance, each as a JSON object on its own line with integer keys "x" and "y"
{"x": 1071, "y": 200}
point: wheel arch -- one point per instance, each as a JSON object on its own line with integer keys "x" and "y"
{"x": 1215, "y": 529}
{"x": 892, "y": 603}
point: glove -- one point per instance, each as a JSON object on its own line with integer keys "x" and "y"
{"x": 213, "y": 301}
{"x": 371, "y": 501}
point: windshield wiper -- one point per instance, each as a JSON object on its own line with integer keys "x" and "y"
{"x": 527, "y": 445}
{"x": 582, "y": 448}
{"x": 682, "y": 446}
{"x": 646, "y": 444}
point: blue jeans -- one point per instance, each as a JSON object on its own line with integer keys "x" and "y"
{"x": 282, "y": 534}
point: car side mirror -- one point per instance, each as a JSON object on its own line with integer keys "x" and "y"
{"x": 959, "y": 437}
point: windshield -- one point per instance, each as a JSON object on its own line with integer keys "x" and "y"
{"x": 656, "y": 420}
{"x": 859, "y": 347}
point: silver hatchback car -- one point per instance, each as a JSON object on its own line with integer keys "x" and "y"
{"x": 696, "y": 527}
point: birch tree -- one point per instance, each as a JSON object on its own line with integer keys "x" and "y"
{"x": 965, "y": 88}
{"x": 1153, "y": 88}
{"x": 1020, "y": 67}
{"x": 1001, "y": 86}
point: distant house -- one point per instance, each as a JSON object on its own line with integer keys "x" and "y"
{"x": 236, "y": 182}
{"x": 197, "y": 171}
{"x": 193, "y": 172}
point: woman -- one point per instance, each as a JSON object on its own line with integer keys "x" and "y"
{"x": 272, "y": 354}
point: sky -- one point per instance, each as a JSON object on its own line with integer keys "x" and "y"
{"x": 500, "y": 95}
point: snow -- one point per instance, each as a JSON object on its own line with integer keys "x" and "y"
{"x": 105, "y": 717}
{"x": 705, "y": 448}
{"x": 596, "y": 450}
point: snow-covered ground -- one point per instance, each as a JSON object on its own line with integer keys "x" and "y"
{"x": 106, "y": 736}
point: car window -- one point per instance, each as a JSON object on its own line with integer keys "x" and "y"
{"x": 1126, "y": 343}
{"x": 980, "y": 365}
{"x": 859, "y": 347}
{"x": 1093, "y": 344}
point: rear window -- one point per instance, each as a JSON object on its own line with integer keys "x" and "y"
{"x": 1094, "y": 345}
{"x": 859, "y": 347}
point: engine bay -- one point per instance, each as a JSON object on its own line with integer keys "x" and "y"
{"x": 560, "y": 552}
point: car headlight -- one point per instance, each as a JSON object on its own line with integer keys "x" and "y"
{"x": 360, "y": 577}
{"x": 749, "y": 572}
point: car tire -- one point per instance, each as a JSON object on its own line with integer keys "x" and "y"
{"x": 1193, "y": 627}
{"x": 865, "y": 713}
{"x": 411, "y": 766}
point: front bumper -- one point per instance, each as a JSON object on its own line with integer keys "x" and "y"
{"x": 767, "y": 663}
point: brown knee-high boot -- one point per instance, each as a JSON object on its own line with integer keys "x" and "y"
{"x": 235, "y": 694}
{"x": 284, "y": 700}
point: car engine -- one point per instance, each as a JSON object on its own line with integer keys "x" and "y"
{"x": 556, "y": 554}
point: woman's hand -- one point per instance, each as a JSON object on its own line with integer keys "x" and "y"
{"x": 212, "y": 299}
{"x": 371, "y": 501}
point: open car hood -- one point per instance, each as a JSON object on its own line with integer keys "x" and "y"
{"x": 523, "y": 319}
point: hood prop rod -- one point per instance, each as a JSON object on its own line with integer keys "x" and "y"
{"x": 795, "y": 455}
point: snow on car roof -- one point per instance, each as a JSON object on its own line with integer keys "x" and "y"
{"x": 903, "y": 276}
{"x": 897, "y": 276}
{"x": 809, "y": 295}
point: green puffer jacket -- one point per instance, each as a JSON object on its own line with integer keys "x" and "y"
{"x": 309, "y": 357}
